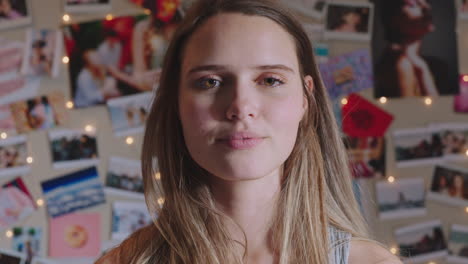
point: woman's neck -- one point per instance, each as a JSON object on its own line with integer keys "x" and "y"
{"x": 251, "y": 204}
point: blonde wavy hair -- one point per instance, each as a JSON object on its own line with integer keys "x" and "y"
{"x": 316, "y": 189}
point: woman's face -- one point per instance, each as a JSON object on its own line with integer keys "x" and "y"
{"x": 458, "y": 181}
{"x": 241, "y": 96}
{"x": 352, "y": 18}
{"x": 416, "y": 18}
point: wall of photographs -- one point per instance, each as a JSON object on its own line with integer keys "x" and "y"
{"x": 75, "y": 80}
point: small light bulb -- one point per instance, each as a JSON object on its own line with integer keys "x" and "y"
{"x": 157, "y": 176}
{"x": 466, "y": 152}
{"x": 466, "y": 209}
{"x": 428, "y": 101}
{"x": 391, "y": 179}
{"x": 109, "y": 17}
{"x": 147, "y": 11}
{"x": 465, "y": 78}
{"x": 394, "y": 250}
{"x": 66, "y": 17}
{"x": 344, "y": 101}
{"x": 65, "y": 59}
{"x": 383, "y": 100}
{"x": 9, "y": 233}
{"x": 89, "y": 128}
{"x": 4, "y": 135}
{"x": 129, "y": 140}
{"x": 69, "y": 105}
{"x": 29, "y": 160}
{"x": 40, "y": 202}
{"x": 161, "y": 201}
{"x": 432, "y": 262}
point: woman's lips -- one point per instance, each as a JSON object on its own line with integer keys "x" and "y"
{"x": 241, "y": 141}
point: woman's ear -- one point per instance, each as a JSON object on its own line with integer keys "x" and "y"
{"x": 309, "y": 85}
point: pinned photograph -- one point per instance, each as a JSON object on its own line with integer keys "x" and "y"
{"x": 348, "y": 21}
{"x": 128, "y": 217}
{"x": 454, "y": 140}
{"x": 460, "y": 104}
{"x": 42, "y": 56}
{"x": 79, "y": 6}
{"x": 13, "y": 156}
{"x": 414, "y": 48}
{"x": 39, "y": 113}
{"x": 11, "y": 53}
{"x": 458, "y": 244}
{"x": 15, "y": 87}
{"x": 310, "y": 8}
{"x": 118, "y": 57}
{"x": 422, "y": 242}
{"x": 17, "y": 203}
{"x": 463, "y": 9}
{"x": 75, "y": 235}
{"x": 27, "y": 240}
{"x": 14, "y": 13}
{"x": 124, "y": 178}
{"x": 11, "y": 257}
{"x": 73, "y": 148}
{"x": 128, "y": 114}
{"x": 73, "y": 192}
{"x": 417, "y": 146}
{"x": 7, "y": 123}
{"x": 366, "y": 156}
{"x": 348, "y": 73}
{"x": 449, "y": 185}
{"x": 401, "y": 199}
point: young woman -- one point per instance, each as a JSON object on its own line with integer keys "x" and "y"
{"x": 252, "y": 166}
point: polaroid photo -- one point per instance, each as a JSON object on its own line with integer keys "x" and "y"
{"x": 75, "y": 235}
{"x": 13, "y": 156}
{"x": 27, "y": 240}
{"x": 87, "y": 6}
{"x": 73, "y": 148}
{"x": 310, "y": 8}
{"x": 401, "y": 199}
{"x": 460, "y": 103}
{"x": 458, "y": 244}
{"x": 124, "y": 178}
{"x": 418, "y": 146}
{"x": 73, "y": 192}
{"x": 128, "y": 217}
{"x": 15, "y": 13}
{"x": 43, "y": 52}
{"x": 40, "y": 113}
{"x": 462, "y": 9}
{"x": 128, "y": 114}
{"x": 17, "y": 203}
{"x": 449, "y": 185}
{"x": 11, "y": 257}
{"x": 38, "y": 260}
{"x": 15, "y": 87}
{"x": 421, "y": 242}
{"x": 348, "y": 21}
{"x": 7, "y": 123}
{"x": 366, "y": 156}
{"x": 11, "y": 53}
{"x": 454, "y": 138}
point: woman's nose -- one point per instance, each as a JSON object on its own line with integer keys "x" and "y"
{"x": 242, "y": 103}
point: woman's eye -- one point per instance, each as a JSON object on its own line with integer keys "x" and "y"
{"x": 271, "y": 81}
{"x": 208, "y": 83}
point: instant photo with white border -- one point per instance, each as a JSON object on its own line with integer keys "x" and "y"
{"x": 306, "y": 7}
{"x": 21, "y": 256}
{"x": 415, "y": 134}
{"x": 455, "y": 258}
{"x": 119, "y": 207}
{"x": 366, "y": 36}
{"x": 15, "y": 87}
{"x": 87, "y": 7}
{"x": 424, "y": 227}
{"x": 435, "y": 196}
{"x": 18, "y": 170}
{"x": 11, "y": 53}
{"x": 137, "y": 101}
{"x": 71, "y": 133}
{"x": 18, "y": 22}
{"x": 398, "y": 194}
{"x": 118, "y": 165}
{"x": 57, "y": 53}
{"x": 454, "y": 127}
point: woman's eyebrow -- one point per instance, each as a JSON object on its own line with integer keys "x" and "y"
{"x": 223, "y": 68}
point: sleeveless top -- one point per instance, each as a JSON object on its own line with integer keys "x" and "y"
{"x": 339, "y": 241}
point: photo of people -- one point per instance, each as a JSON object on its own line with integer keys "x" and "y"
{"x": 455, "y": 141}
{"x": 366, "y": 156}
{"x": 414, "y": 48}
{"x": 13, "y": 155}
{"x": 128, "y": 114}
{"x": 128, "y": 217}
{"x": 43, "y": 53}
{"x": 27, "y": 240}
{"x": 311, "y": 8}
{"x": 458, "y": 244}
{"x": 77, "y": 6}
{"x": 461, "y": 99}
{"x": 118, "y": 57}
{"x": 400, "y": 199}
{"x": 11, "y": 257}
{"x": 124, "y": 177}
{"x": 450, "y": 185}
{"x": 39, "y": 113}
{"x": 350, "y": 21}
{"x": 73, "y": 148}
{"x": 417, "y": 146}
{"x": 422, "y": 242}
{"x": 14, "y": 13}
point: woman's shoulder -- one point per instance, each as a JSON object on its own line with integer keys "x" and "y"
{"x": 368, "y": 252}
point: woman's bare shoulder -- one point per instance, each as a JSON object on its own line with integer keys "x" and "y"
{"x": 367, "y": 252}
